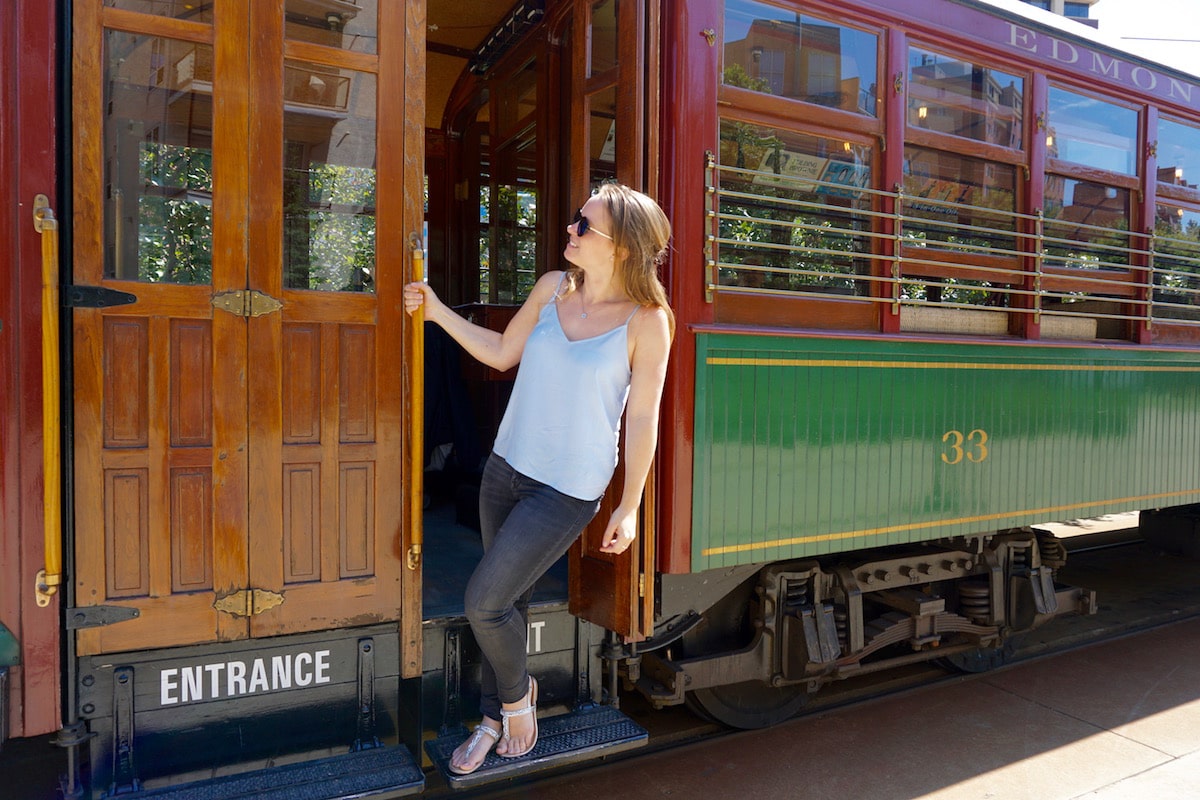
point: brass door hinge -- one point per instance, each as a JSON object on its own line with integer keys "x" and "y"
{"x": 641, "y": 584}
{"x": 246, "y": 303}
{"x": 248, "y": 602}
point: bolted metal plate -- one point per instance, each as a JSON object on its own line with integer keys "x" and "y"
{"x": 566, "y": 739}
{"x": 389, "y": 771}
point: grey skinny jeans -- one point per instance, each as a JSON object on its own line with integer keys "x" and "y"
{"x": 526, "y": 527}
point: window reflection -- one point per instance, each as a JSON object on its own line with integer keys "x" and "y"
{"x": 946, "y": 187}
{"x": 1087, "y": 224}
{"x": 1177, "y": 263}
{"x": 603, "y": 36}
{"x": 517, "y": 99}
{"x": 192, "y": 10}
{"x": 956, "y": 205}
{"x": 800, "y": 57}
{"x": 1092, "y": 132}
{"x": 791, "y": 211}
{"x": 158, "y": 172}
{"x": 1178, "y": 154}
{"x": 344, "y": 24}
{"x": 948, "y": 95}
{"x": 602, "y": 136}
{"x": 328, "y": 178}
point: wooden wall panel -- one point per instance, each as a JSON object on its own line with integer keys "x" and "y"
{"x": 191, "y": 383}
{"x": 126, "y": 384}
{"x": 127, "y": 531}
{"x": 356, "y": 384}
{"x": 301, "y": 383}
{"x": 301, "y": 523}
{"x": 191, "y": 529}
{"x": 356, "y": 519}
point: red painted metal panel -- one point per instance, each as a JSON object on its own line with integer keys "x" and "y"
{"x": 27, "y": 152}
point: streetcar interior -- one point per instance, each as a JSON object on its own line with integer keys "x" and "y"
{"x": 489, "y": 201}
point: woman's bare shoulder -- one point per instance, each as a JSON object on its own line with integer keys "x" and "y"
{"x": 543, "y": 290}
{"x": 651, "y": 324}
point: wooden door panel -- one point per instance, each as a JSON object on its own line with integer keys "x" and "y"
{"x": 145, "y": 495}
{"x": 326, "y": 531}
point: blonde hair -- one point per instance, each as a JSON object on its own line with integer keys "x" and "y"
{"x": 640, "y": 232}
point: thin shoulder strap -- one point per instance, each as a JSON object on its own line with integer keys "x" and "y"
{"x": 636, "y": 308}
{"x": 558, "y": 286}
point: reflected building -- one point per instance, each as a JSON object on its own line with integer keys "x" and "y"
{"x": 1078, "y": 10}
{"x": 805, "y": 59}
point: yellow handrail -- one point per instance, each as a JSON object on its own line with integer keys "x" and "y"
{"x": 416, "y": 371}
{"x": 48, "y": 579}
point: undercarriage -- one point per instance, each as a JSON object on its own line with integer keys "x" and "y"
{"x": 756, "y": 654}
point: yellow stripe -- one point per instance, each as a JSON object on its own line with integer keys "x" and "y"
{"x": 830, "y": 537}
{"x": 819, "y": 362}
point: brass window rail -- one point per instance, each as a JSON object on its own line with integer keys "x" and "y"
{"x": 772, "y": 234}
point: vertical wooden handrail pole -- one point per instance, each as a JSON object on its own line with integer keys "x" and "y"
{"x": 416, "y": 425}
{"x": 48, "y": 579}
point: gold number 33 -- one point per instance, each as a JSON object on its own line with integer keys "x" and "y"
{"x": 975, "y": 449}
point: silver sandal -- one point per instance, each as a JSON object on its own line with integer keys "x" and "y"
{"x": 476, "y": 737}
{"x": 520, "y": 712}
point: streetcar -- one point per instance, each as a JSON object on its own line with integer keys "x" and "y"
{"x": 936, "y": 270}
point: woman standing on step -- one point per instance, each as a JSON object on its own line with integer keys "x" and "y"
{"x": 590, "y": 341}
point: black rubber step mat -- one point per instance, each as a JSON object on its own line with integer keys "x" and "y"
{"x": 566, "y": 739}
{"x": 368, "y": 773}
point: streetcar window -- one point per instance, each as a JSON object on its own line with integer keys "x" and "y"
{"x": 793, "y": 211}
{"x": 158, "y": 171}
{"x": 1176, "y": 263}
{"x": 509, "y": 188}
{"x": 191, "y": 10}
{"x": 959, "y": 210}
{"x": 603, "y": 50}
{"x": 1087, "y": 224}
{"x": 800, "y": 57}
{"x": 346, "y": 26}
{"x": 949, "y": 95}
{"x": 1178, "y": 154}
{"x": 328, "y": 178}
{"x": 1091, "y": 132}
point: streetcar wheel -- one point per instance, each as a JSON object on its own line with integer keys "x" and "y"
{"x": 727, "y": 627}
{"x": 748, "y": 705}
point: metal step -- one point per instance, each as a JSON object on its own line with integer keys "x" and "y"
{"x": 367, "y": 773}
{"x": 578, "y": 736}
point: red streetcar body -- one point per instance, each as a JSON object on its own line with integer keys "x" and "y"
{"x": 255, "y": 469}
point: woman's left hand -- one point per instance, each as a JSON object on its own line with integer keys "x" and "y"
{"x": 620, "y": 532}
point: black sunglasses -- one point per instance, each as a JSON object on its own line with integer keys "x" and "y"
{"x": 582, "y": 226}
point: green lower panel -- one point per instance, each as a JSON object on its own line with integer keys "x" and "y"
{"x": 806, "y": 446}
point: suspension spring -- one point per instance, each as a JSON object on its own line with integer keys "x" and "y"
{"x": 1019, "y": 560}
{"x": 841, "y": 621}
{"x": 795, "y": 594}
{"x": 975, "y": 600}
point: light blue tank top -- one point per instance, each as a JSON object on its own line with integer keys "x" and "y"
{"x": 564, "y": 416}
